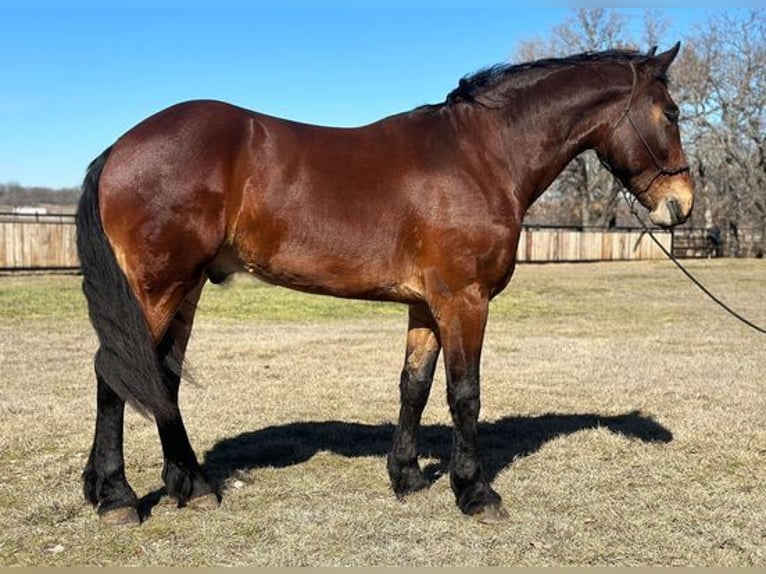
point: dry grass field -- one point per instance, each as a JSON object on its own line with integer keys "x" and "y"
{"x": 623, "y": 420}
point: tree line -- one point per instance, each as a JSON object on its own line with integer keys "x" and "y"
{"x": 13, "y": 194}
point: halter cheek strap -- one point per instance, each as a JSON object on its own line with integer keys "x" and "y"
{"x": 661, "y": 168}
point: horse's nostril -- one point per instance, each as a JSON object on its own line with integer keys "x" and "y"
{"x": 674, "y": 208}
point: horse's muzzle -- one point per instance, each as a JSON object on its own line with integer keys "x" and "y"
{"x": 674, "y": 199}
{"x": 671, "y": 211}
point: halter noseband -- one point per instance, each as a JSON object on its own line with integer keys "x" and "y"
{"x": 661, "y": 169}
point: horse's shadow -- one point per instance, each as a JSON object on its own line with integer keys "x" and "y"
{"x": 502, "y": 441}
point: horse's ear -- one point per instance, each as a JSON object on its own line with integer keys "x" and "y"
{"x": 663, "y": 61}
{"x": 652, "y": 51}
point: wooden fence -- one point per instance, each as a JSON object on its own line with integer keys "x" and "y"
{"x": 30, "y": 242}
{"x": 549, "y": 244}
{"x": 48, "y": 242}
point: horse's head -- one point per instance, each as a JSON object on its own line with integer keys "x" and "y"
{"x": 643, "y": 145}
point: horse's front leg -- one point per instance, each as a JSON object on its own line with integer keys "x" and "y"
{"x": 462, "y": 320}
{"x": 415, "y": 385}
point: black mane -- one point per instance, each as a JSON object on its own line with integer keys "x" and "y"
{"x": 485, "y": 80}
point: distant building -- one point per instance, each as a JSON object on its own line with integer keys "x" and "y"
{"x": 27, "y": 210}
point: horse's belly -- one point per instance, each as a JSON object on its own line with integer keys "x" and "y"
{"x": 303, "y": 268}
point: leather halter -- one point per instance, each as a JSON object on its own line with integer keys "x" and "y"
{"x": 661, "y": 169}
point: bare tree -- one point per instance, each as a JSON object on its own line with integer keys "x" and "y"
{"x": 656, "y": 26}
{"x": 721, "y": 77}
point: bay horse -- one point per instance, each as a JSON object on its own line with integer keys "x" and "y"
{"x": 423, "y": 208}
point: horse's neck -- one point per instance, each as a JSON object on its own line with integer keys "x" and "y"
{"x": 548, "y": 125}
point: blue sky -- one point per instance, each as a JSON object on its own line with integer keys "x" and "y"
{"x": 74, "y": 75}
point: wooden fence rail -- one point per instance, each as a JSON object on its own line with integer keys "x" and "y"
{"x": 48, "y": 242}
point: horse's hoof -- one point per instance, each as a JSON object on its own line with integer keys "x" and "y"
{"x": 204, "y": 502}
{"x": 492, "y": 514}
{"x": 124, "y": 516}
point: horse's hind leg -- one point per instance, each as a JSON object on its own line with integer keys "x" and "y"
{"x": 181, "y": 473}
{"x": 104, "y": 482}
{"x": 415, "y": 385}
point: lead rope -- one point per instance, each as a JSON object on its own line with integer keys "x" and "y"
{"x": 686, "y": 272}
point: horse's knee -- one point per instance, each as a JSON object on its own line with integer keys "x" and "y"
{"x": 416, "y": 378}
{"x": 414, "y": 387}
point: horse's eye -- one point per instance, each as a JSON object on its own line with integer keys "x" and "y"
{"x": 672, "y": 114}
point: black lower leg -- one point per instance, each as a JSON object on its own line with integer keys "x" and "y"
{"x": 403, "y": 468}
{"x": 104, "y": 483}
{"x": 414, "y": 387}
{"x": 472, "y": 491}
{"x": 463, "y": 320}
{"x": 181, "y": 472}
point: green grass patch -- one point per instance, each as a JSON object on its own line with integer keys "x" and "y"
{"x": 36, "y": 297}
{"x": 567, "y": 292}
{"x": 250, "y": 299}
{"x": 26, "y": 297}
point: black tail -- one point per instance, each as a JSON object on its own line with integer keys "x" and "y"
{"x": 127, "y": 359}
